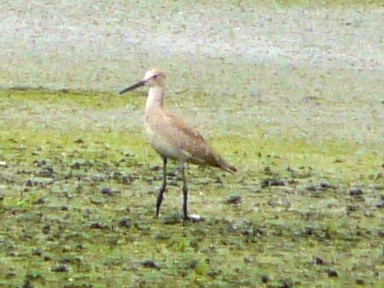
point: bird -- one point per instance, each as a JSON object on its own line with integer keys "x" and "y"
{"x": 172, "y": 138}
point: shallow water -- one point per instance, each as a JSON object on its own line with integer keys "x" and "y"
{"x": 315, "y": 72}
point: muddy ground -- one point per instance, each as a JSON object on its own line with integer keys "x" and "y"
{"x": 292, "y": 95}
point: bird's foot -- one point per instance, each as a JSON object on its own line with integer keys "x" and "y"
{"x": 194, "y": 218}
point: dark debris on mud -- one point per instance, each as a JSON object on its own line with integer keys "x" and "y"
{"x": 84, "y": 214}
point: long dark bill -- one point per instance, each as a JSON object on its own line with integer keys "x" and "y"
{"x": 134, "y": 86}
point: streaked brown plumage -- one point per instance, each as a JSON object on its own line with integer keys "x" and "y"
{"x": 172, "y": 138}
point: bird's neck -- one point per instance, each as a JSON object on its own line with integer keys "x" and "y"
{"x": 155, "y": 98}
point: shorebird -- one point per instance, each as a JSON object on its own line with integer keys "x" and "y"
{"x": 172, "y": 138}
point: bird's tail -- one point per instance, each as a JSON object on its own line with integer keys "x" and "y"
{"x": 229, "y": 168}
{"x": 224, "y": 165}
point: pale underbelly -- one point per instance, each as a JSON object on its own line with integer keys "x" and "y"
{"x": 165, "y": 147}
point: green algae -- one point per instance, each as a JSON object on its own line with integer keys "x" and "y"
{"x": 297, "y": 223}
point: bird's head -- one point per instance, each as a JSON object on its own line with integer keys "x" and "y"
{"x": 152, "y": 78}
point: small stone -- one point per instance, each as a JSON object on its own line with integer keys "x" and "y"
{"x": 106, "y": 191}
{"x": 272, "y": 182}
{"x": 360, "y": 281}
{"x": 37, "y": 252}
{"x": 286, "y": 284}
{"x": 127, "y": 179}
{"x": 46, "y": 229}
{"x": 319, "y": 261}
{"x": 47, "y": 258}
{"x": 234, "y": 199}
{"x": 247, "y": 259}
{"x": 79, "y": 247}
{"x": 41, "y": 200}
{"x": 66, "y": 248}
{"x": 355, "y": 192}
{"x": 268, "y": 171}
{"x": 265, "y": 279}
{"x": 150, "y": 264}
{"x": 332, "y": 273}
{"x": 75, "y": 165}
{"x": 352, "y": 208}
{"x": 193, "y": 264}
{"x": 46, "y": 172}
{"x": 155, "y": 168}
{"x": 97, "y": 225}
{"x": 60, "y": 268}
{"x": 125, "y": 222}
{"x": 326, "y": 186}
{"x": 276, "y": 182}
{"x": 11, "y": 274}
{"x": 29, "y": 183}
{"x": 116, "y": 175}
{"x": 40, "y": 162}
{"x": 380, "y": 205}
{"x": 64, "y": 208}
{"x": 28, "y": 284}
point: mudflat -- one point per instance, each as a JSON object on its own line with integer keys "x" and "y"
{"x": 291, "y": 94}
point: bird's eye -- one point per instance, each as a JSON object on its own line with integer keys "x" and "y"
{"x": 154, "y": 76}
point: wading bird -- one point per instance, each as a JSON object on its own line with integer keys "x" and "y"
{"x": 172, "y": 138}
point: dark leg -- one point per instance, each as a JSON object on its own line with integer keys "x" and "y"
{"x": 185, "y": 193}
{"x": 162, "y": 188}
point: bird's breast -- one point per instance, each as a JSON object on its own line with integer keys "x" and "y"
{"x": 148, "y": 130}
{"x": 164, "y": 142}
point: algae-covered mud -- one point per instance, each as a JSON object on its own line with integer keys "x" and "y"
{"x": 78, "y": 189}
{"x": 296, "y": 103}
